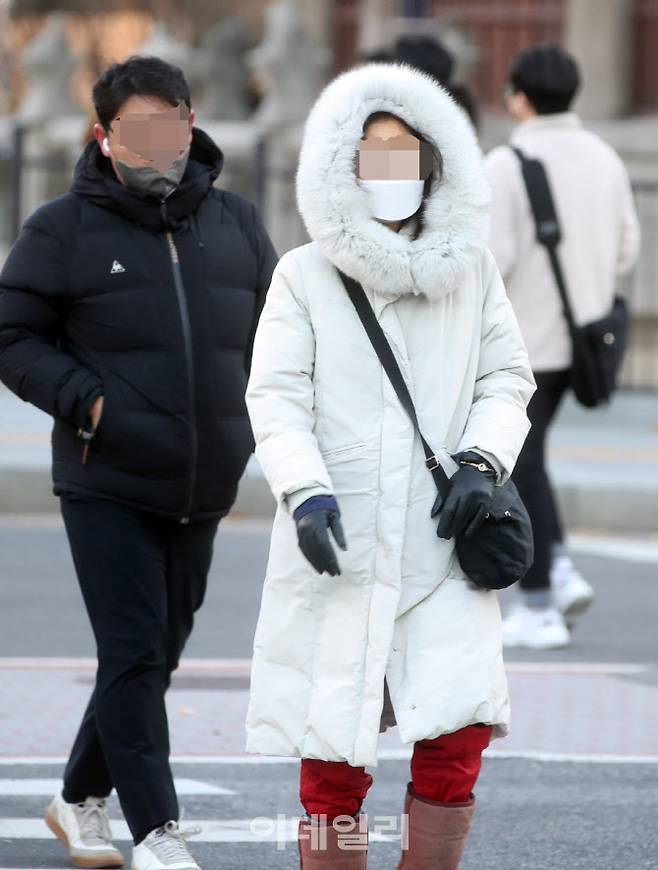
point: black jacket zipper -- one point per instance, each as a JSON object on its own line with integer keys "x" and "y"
{"x": 189, "y": 357}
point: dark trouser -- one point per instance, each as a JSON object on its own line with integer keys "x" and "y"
{"x": 142, "y": 579}
{"x": 532, "y": 481}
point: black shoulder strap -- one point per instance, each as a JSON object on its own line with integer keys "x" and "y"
{"x": 387, "y": 358}
{"x": 546, "y": 222}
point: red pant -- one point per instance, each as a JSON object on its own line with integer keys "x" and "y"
{"x": 444, "y": 769}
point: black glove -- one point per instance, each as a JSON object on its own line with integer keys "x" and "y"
{"x": 313, "y": 537}
{"x": 469, "y": 497}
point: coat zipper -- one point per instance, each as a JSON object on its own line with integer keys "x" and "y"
{"x": 187, "y": 339}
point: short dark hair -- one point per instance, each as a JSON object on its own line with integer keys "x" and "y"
{"x": 426, "y": 54}
{"x": 144, "y": 76}
{"x": 548, "y": 76}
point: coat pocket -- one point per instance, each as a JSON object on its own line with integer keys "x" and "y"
{"x": 338, "y": 453}
{"x": 352, "y": 469}
{"x": 136, "y": 438}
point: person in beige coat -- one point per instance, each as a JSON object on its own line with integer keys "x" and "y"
{"x": 395, "y": 618}
{"x": 600, "y": 242}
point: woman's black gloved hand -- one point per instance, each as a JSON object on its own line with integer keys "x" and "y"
{"x": 469, "y": 497}
{"x": 314, "y": 518}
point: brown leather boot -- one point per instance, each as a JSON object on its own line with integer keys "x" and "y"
{"x": 436, "y": 833}
{"x": 323, "y": 846}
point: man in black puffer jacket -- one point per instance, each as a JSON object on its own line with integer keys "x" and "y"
{"x": 128, "y": 308}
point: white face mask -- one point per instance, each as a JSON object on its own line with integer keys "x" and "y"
{"x": 393, "y": 199}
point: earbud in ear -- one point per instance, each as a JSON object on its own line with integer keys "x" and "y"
{"x": 106, "y": 147}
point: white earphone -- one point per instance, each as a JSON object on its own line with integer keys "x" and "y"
{"x": 106, "y": 147}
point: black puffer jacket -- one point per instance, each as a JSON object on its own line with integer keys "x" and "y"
{"x": 154, "y": 305}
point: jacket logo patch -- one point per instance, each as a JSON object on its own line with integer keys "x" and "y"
{"x": 116, "y": 268}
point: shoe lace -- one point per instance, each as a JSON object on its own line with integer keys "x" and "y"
{"x": 169, "y": 841}
{"x": 93, "y": 822}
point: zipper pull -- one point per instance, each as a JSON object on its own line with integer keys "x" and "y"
{"x": 86, "y": 436}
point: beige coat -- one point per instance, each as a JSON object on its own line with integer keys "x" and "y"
{"x": 326, "y": 420}
{"x": 599, "y": 227}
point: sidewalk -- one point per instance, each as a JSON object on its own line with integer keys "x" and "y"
{"x": 604, "y": 464}
{"x": 562, "y": 711}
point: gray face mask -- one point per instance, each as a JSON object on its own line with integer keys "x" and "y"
{"x": 150, "y": 181}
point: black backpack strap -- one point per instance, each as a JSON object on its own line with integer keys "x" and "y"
{"x": 546, "y": 223}
{"x": 387, "y": 358}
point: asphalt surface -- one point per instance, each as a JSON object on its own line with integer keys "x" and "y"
{"x": 38, "y": 581}
{"x": 533, "y": 815}
{"x": 603, "y": 463}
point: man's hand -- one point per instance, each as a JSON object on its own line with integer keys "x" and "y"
{"x": 314, "y": 517}
{"x": 96, "y": 412}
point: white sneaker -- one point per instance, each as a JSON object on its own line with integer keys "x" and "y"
{"x": 572, "y": 593}
{"x": 84, "y": 829}
{"x": 164, "y": 849}
{"x": 535, "y": 628}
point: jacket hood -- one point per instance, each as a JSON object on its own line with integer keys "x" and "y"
{"x": 95, "y": 179}
{"x": 335, "y": 209}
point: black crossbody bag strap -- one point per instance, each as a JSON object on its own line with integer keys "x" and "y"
{"x": 387, "y": 358}
{"x": 546, "y": 222}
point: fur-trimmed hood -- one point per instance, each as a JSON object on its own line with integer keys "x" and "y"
{"x": 335, "y": 208}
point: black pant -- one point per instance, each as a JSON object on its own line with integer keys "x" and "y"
{"x": 142, "y": 579}
{"x": 531, "y": 478}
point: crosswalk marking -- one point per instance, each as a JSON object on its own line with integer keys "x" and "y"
{"x": 26, "y": 787}
{"x": 256, "y": 830}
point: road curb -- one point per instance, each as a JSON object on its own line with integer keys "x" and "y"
{"x": 596, "y": 505}
{"x": 29, "y": 490}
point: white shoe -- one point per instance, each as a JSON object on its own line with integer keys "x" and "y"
{"x": 572, "y": 593}
{"x": 535, "y": 628}
{"x": 164, "y": 849}
{"x": 84, "y": 829}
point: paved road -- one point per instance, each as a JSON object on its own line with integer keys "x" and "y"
{"x": 38, "y": 581}
{"x": 532, "y": 816}
{"x": 604, "y": 463}
{"x": 593, "y": 704}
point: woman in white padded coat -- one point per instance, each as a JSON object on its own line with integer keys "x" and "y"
{"x": 391, "y": 617}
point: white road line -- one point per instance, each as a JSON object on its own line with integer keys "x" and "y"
{"x": 625, "y": 549}
{"x": 223, "y": 667}
{"x": 260, "y": 829}
{"x": 26, "y": 787}
{"x": 227, "y": 758}
{"x": 535, "y": 755}
{"x": 401, "y": 754}
{"x": 242, "y": 667}
{"x": 578, "y": 668}
{"x": 574, "y": 758}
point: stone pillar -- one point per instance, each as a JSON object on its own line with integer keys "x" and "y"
{"x": 316, "y": 15}
{"x": 48, "y": 116}
{"x": 599, "y": 36}
{"x": 291, "y": 67}
{"x": 377, "y": 24}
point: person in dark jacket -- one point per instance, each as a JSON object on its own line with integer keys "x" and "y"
{"x": 427, "y": 54}
{"x": 128, "y": 308}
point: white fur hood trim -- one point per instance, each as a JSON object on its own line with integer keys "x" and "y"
{"x": 335, "y": 208}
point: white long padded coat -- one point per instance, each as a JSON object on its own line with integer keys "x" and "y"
{"x": 326, "y": 420}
